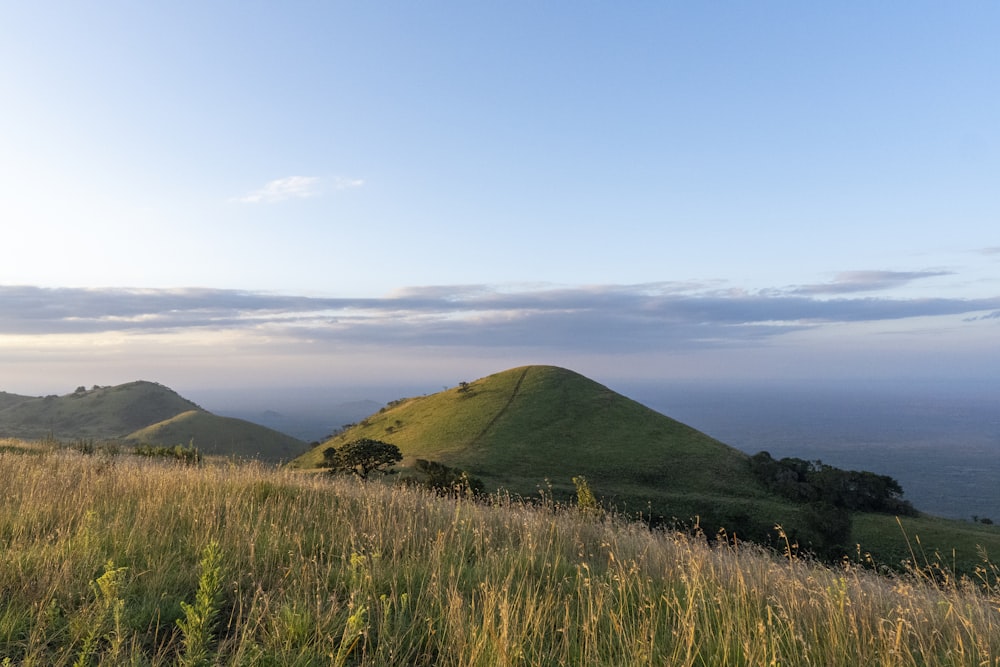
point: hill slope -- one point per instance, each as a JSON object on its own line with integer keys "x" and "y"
{"x": 527, "y": 427}
{"x": 144, "y": 412}
{"x": 101, "y": 412}
{"x": 8, "y": 400}
{"x": 213, "y": 434}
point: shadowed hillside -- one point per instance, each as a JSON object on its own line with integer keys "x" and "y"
{"x": 140, "y": 412}
{"x": 212, "y": 434}
{"x": 8, "y": 400}
{"x": 101, "y": 412}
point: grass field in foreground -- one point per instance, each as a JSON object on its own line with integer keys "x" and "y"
{"x": 126, "y": 561}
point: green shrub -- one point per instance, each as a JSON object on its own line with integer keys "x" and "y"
{"x": 189, "y": 455}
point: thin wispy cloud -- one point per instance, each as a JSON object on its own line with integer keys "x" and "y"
{"x": 340, "y": 183}
{"x": 290, "y": 187}
{"x": 298, "y": 187}
{"x": 995, "y": 315}
{"x": 848, "y": 282}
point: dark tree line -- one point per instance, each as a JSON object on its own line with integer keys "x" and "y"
{"x": 828, "y": 497}
{"x": 815, "y": 482}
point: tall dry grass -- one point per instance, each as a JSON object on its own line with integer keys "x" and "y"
{"x": 101, "y": 557}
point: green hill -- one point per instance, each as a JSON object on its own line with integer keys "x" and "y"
{"x": 8, "y": 400}
{"x": 539, "y": 426}
{"x": 140, "y": 411}
{"x": 535, "y": 426}
{"x": 213, "y": 434}
{"x": 101, "y": 412}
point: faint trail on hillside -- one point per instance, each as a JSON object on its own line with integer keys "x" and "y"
{"x": 503, "y": 410}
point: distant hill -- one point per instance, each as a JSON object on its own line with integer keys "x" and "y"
{"x": 138, "y": 410}
{"x": 535, "y": 426}
{"x": 100, "y": 412}
{"x": 8, "y": 400}
{"x": 309, "y": 425}
{"x": 220, "y": 435}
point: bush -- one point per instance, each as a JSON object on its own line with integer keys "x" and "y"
{"x": 448, "y": 481}
{"x": 190, "y": 455}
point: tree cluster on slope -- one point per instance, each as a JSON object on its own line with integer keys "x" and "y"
{"x": 815, "y": 482}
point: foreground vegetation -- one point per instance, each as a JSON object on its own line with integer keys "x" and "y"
{"x": 131, "y": 560}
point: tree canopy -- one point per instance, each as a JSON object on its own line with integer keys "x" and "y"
{"x": 362, "y": 457}
{"x": 812, "y": 481}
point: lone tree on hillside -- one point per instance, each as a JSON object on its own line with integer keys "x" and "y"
{"x": 362, "y": 457}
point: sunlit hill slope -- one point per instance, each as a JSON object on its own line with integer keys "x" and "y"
{"x": 535, "y": 426}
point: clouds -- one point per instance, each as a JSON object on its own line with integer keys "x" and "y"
{"x": 193, "y": 337}
{"x": 297, "y": 187}
{"x": 290, "y": 187}
{"x": 847, "y": 282}
{"x": 605, "y": 318}
{"x": 340, "y": 183}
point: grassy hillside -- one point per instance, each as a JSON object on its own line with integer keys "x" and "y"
{"x": 535, "y": 426}
{"x": 530, "y": 427}
{"x": 212, "y": 434}
{"x": 959, "y": 545}
{"x": 102, "y": 557}
{"x": 8, "y": 400}
{"x": 101, "y": 412}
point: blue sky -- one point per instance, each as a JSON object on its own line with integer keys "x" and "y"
{"x": 222, "y": 194}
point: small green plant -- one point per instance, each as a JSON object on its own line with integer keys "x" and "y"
{"x": 103, "y": 619}
{"x": 586, "y": 502}
{"x": 354, "y": 630}
{"x": 198, "y": 624}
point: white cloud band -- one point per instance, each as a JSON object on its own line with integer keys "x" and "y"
{"x": 608, "y": 318}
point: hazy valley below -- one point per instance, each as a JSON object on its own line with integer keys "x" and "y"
{"x": 941, "y": 442}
